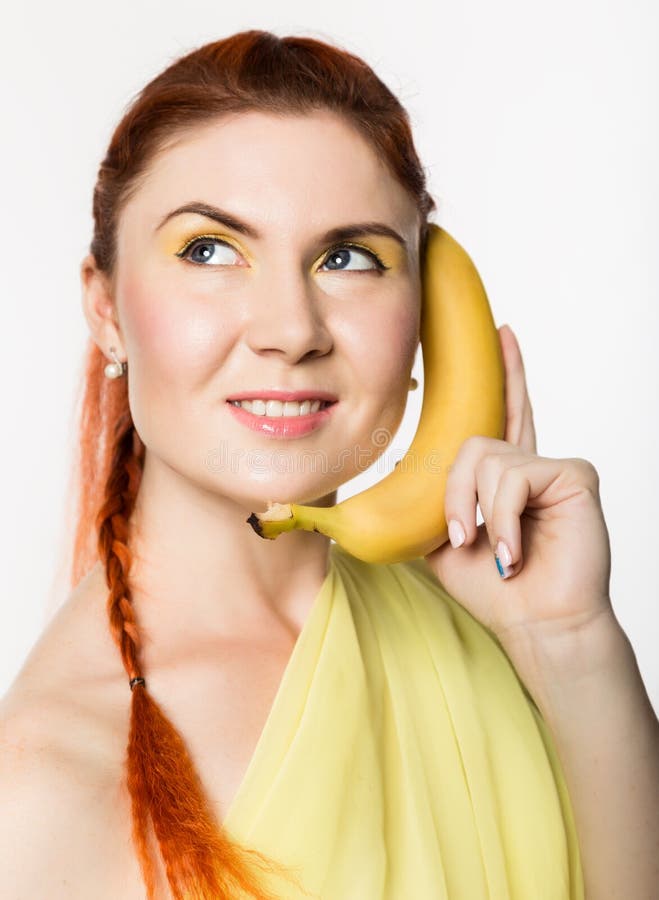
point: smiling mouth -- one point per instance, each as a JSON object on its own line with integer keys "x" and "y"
{"x": 304, "y": 420}
{"x": 277, "y": 410}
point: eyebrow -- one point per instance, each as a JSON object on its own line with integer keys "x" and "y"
{"x": 341, "y": 233}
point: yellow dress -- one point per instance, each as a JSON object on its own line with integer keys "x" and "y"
{"x": 402, "y": 758}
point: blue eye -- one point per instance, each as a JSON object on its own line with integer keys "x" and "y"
{"x": 204, "y": 245}
{"x": 340, "y": 254}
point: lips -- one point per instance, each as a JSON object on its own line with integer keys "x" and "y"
{"x": 282, "y": 426}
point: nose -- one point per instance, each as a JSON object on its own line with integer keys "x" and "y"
{"x": 285, "y": 318}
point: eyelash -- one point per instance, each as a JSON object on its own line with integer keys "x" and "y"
{"x": 209, "y": 238}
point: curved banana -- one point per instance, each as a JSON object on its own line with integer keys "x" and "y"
{"x": 402, "y": 516}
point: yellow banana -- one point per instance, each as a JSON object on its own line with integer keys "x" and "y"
{"x": 402, "y": 516}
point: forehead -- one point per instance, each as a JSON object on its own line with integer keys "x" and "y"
{"x": 293, "y": 170}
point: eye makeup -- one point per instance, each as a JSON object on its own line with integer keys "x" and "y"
{"x": 380, "y": 265}
{"x": 203, "y": 237}
{"x": 350, "y": 246}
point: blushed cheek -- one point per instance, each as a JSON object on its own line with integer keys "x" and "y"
{"x": 170, "y": 338}
{"x": 408, "y": 330}
{"x": 396, "y": 358}
{"x": 152, "y": 335}
{"x": 399, "y": 340}
{"x": 382, "y": 364}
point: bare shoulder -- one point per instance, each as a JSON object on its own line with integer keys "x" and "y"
{"x": 63, "y": 729}
{"x": 49, "y": 822}
{"x": 73, "y": 675}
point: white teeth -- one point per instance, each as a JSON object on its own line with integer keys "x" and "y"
{"x": 277, "y": 408}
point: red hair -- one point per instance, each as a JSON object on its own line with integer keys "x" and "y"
{"x": 251, "y": 70}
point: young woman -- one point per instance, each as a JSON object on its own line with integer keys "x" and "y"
{"x": 212, "y": 715}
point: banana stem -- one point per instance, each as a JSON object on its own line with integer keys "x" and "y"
{"x": 280, "y": 517}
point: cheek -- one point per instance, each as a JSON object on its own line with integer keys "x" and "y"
{"x": 406, "y": 326}
{"x": 386, "y": 348}
{"x": 175, "y": 338}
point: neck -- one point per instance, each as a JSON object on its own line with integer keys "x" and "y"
{"x": 199, "y": 569}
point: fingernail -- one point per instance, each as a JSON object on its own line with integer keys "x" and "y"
{"x": 456, "y": 533}
{"x": 504, "y": 571}
{"x": 504, "y": 553}
{"x": 503, "y": 559}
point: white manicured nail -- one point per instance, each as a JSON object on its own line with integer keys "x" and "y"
{"x": 456, "y": 533}
{"x": 504, "y": 554}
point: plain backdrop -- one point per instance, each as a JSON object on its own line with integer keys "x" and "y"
{"x": 537, "y": 125}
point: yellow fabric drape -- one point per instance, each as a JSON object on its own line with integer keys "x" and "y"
{"x": 403, "y": 758}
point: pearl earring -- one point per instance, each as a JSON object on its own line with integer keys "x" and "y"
{"x": 413, "y": 384}
{"x": 116, "y": 368}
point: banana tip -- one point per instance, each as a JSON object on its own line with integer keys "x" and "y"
{"x": 255, "y": 522}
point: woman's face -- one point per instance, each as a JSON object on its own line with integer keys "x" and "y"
{"x": 274, "y": 304}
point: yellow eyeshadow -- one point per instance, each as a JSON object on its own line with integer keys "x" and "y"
{"x": 197, "y": 236}
{"x": 389, "y": 252}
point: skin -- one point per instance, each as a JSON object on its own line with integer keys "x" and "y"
{"x": 271, "y": 313}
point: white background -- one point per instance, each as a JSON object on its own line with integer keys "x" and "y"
{"x": 538, "y": 129}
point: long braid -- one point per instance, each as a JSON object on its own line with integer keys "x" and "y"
{"x": 161, "y": 777}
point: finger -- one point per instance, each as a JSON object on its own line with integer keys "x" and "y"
{"x": 520, "y": 429}
{"x": 518, "y": 485}
{"x": 471, "y": 483}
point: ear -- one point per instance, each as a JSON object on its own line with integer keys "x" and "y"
{"x": 99, "y": 308}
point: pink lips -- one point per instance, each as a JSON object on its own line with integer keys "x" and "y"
{"x": 282, "y": 426}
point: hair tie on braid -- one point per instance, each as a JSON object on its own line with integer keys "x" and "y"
{"x": 135, "y": 681}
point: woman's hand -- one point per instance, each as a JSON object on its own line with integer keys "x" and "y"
{"x": 548, "y": 513}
